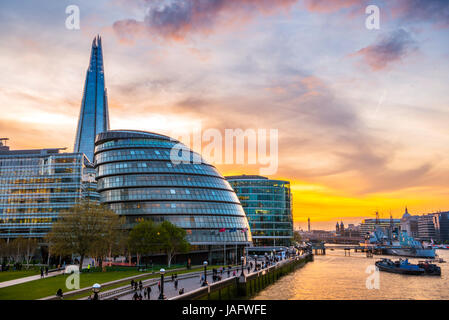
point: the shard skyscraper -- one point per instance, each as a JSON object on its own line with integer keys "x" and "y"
{"x": 94, "y": 115}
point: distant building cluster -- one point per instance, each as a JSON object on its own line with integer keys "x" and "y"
{"x": 351, "y": 231}
{"x": 368, "y": 225}
{"x": 426, "y": 227}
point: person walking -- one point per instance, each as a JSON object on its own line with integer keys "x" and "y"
{"x": 149, "y": 292}
{"x": 176, "y": 284}
{"x": 140, "y": 285}
{"x": 159, "y": 285}
{"x": 42, "y": 272}
{"x": 59, "y": 294}
{"x": 132, "y": 284}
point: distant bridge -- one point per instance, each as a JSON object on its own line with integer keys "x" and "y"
{"x": 335, "y": 239}
{"x": 320, "y": 248}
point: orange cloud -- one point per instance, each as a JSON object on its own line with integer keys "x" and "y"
{"x": 326, "y": 6}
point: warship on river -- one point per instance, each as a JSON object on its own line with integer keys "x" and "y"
{"x": 398, "y": 243}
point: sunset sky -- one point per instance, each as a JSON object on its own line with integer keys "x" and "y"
{"x": 363, "y": 115}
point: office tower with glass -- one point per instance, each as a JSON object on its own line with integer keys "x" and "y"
{"x": 94, "y": 117}
{"x": 434, "y": 227}
{"x": 137, "y": 179}
{"x": 268, "y": 207}
{"x": 369, "y": 225}
{"x": 35, "y": 185}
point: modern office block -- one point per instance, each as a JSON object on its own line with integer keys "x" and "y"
{"x": 35, "y": 185}
{"x": 268, "y": 207}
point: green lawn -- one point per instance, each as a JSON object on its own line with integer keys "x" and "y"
{"x": 11, "y": 275}
{"x": 46, "y": 287}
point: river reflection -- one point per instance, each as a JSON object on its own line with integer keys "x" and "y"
{"x": 339, "y": 277}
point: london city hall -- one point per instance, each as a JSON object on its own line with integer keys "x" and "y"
{"x": 137, "y": 179}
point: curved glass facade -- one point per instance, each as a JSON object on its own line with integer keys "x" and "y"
{"x": 137, "y": 179}
{"x": 267, "y": 204}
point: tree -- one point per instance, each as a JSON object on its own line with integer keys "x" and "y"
{"x": 142, "y": 239}
{"x": 297, "y": 237}
{"x": 81, "y": 229}
{"x": 29, "y": 246}
{"x": 171, "y": 239}
{"x": 9, "y": 251}
{"x": 112, "y": 242}
{"x": 3, "y": 250}
{"x": 17, "y": 248}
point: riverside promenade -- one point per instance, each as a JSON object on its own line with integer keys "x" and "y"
{"x": 189, "y": 282}
{"x": 192, "y": 283}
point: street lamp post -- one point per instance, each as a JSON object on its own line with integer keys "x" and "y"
{"x": 205, "y": 283}
{"x": 96, "y": 289}
{"x": 242, "y": 259}
{"x": 161, "y": 295}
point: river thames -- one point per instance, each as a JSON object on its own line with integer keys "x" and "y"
{"x": 335, "y": 276}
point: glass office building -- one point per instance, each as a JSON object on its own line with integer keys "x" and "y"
{"x": 267, "y": 204}
{"x": 369, "y": 225}
{"x": 35, "y": 185}
{"x": 94, "y": 117}
{"x": 434, "y": 227}
{"x": 137, "y": 179}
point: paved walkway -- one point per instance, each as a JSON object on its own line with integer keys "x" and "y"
{"x": 189, "y": 284}
{"x": 28, "y": 279}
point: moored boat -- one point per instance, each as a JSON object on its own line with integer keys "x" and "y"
{"x": 430, "y": 268}
{"x": 401, "y": 267}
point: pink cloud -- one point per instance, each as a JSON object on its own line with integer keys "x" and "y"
{"x": 177, "y": 19}
{"x": 387, "y": 50}
{"x": 433, "y": 11}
